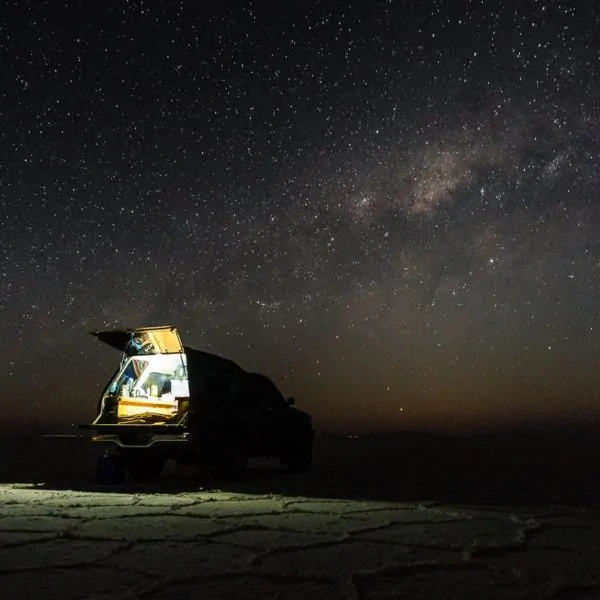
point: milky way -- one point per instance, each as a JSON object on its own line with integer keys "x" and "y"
{"x": 391, "y": 209}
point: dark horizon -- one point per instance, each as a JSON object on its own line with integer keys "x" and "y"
{"x": 556, "y": 428}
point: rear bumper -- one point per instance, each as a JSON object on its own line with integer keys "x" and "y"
{"x": 138, "y": 443}
{"x": 138, "y": 436}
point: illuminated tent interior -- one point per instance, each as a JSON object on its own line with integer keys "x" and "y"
{"x": 151, "y": 384}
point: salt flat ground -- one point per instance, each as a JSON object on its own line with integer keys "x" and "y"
{"x": 413, "y": 517}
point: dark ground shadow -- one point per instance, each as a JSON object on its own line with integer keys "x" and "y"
{"x": 507, "y": 470}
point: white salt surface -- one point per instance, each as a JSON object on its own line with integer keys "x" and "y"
{"x": 210, "y": 544}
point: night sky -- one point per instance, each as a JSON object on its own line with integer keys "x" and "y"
{"x": 396, "y": 203}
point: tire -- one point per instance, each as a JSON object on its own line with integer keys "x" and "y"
{"x": 144, "y": 467}
{"x": 234, "y": 461}
{"x": 298, "y": 457}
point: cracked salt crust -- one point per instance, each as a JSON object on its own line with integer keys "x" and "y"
{"x": 457, "y": 535}
{"x": 251, "y": 588}
{"x": 158, "y": 546}
{"x": 54, "y": 552}
{"x": 71, "y": 584}
{"x": 38, "y": 523}
{"x": 233, "y": 508}
{"x": 157, "y": 527}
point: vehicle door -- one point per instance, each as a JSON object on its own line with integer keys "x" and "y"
{"x": 271, "y": 418}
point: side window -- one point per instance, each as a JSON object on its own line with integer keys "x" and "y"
{"x": 234, "y": 391}
{"x": 256, "y": 393}
{"x": 270, "y": 398}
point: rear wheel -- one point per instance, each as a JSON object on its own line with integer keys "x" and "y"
{"x": 144, "y": 467}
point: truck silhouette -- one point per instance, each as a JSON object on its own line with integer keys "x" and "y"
{"x": 169, "y": 401}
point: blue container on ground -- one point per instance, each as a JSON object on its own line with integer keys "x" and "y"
{"x": 110, "y": 470}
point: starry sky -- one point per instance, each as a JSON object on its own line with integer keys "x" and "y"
{"x": 389, "y": 207}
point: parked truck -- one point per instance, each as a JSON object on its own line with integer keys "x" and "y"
{"x": 169, "y": 401}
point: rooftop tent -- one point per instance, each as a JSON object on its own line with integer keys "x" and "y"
{"x": 143, "y": 340}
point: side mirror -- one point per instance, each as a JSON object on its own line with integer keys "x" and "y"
{"x": 291, "y": 401}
